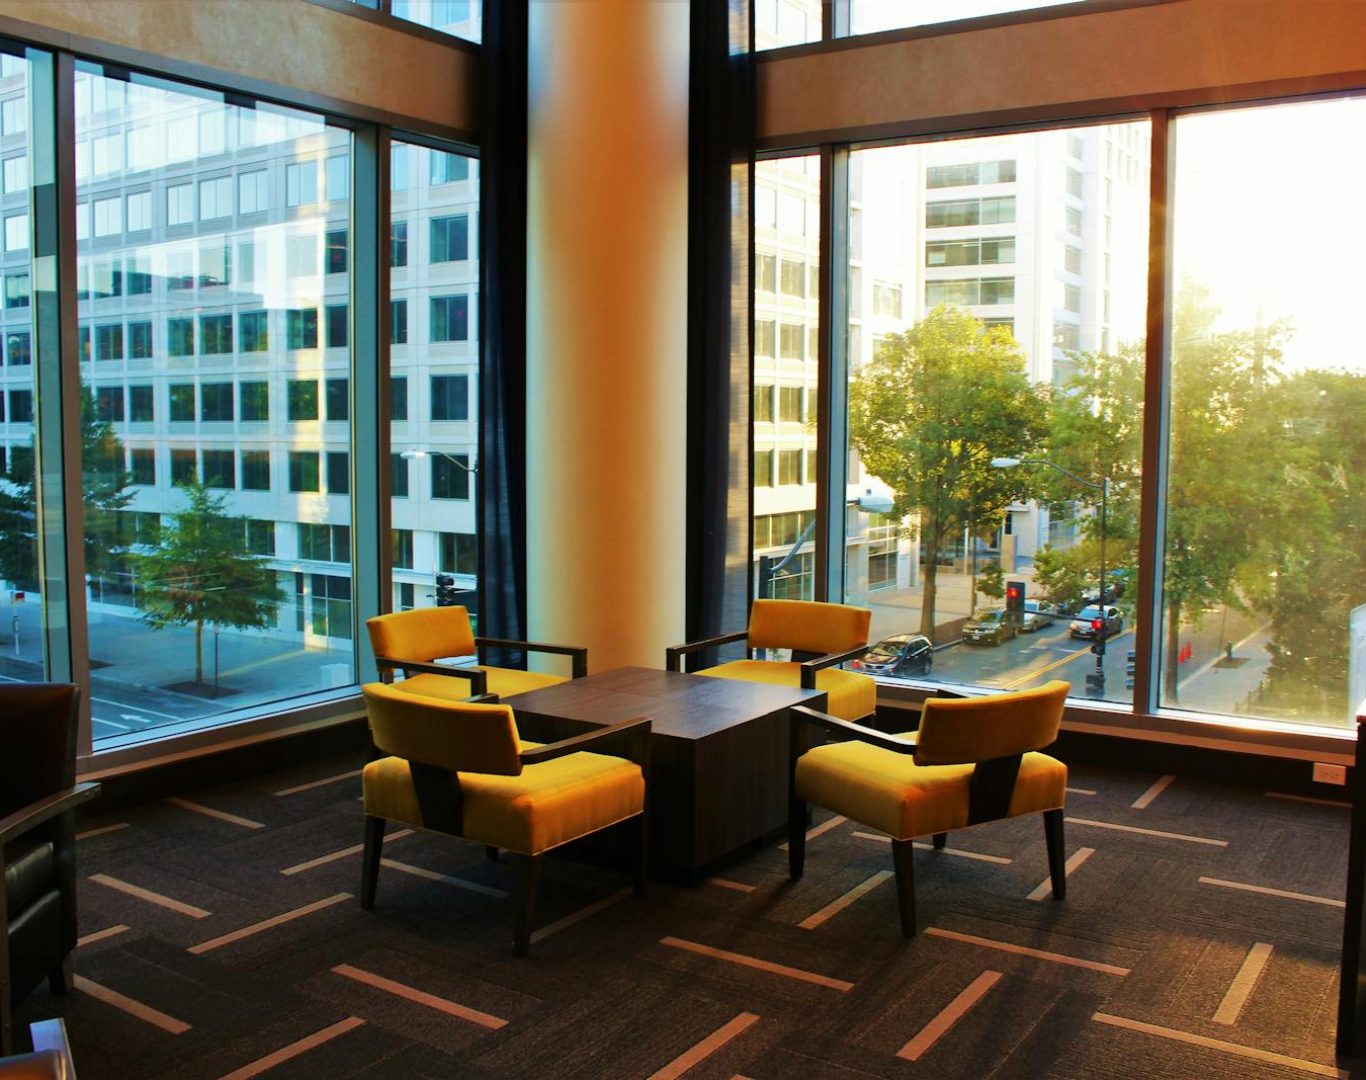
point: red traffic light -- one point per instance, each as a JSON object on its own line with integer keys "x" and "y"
{"x": 1098, "y": 625}
{"x": 1014, "y": 591}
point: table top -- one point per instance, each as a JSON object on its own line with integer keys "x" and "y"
{"x": 678, "y": 704}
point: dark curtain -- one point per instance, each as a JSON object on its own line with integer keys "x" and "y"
{"x": 502, "y": 299}
{"x": 719, "y": 317}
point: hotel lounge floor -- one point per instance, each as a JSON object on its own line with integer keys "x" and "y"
{"x": 1199, "y": 938}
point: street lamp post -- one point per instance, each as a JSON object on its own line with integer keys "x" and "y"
{"x": 769, "y": 567}
{"x": 445, "y": 590}
{"x": 1104, "y": 488}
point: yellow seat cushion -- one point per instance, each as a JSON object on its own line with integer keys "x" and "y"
{"x": 502, "y": 681}
{"x": 894, "y": 795}
{"x": 547, "y": 805}
{"x": 849, "y": 695}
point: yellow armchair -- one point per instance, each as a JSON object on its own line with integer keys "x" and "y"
{"x": 412, "y": 641}
{"x": 819, "y": 635}
{"x": 973, "y": 760}
{"x": 460, "y": 768}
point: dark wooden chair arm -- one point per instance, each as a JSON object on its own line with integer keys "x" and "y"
{"x": 478, "y": 680}
{"x": 34, "y": 814}
{"x": 847, "y": 730}
{"x": 638, "y": 727}
{"x": 578, "y": 652}
{"x": 810, "y": 667}
{"x": 674, "y": 654}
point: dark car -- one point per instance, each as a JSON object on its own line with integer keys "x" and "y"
{"x": 902, "y": 655}
{"x": 1081, "y": 625}
{"x": 990, "y": 626}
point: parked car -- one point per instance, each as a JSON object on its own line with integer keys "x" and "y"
{"x": 990, "y": 626}
{"x": 1081, "y": 625}
{"x": 1035, "y": 616}
{"x": 902, "y": 655}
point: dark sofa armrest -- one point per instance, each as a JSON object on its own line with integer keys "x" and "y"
{"x": 674, "y": 654}
{"x": 478, "y": 680}
{"x": 579, "y": 653}
{"x": 34, "y": 814}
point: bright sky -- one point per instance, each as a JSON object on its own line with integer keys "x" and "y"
{"x": 1269, "y": 211}
{"x": 868, "y": 16}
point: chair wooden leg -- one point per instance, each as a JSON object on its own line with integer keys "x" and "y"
{"x": 525, "y": 904}
{"x": 903, "y": 860}
{"x": 940, "y": 839}
{"x": 369, "y": 862}
{"x": 1057, "y": 854}
{"x": 642, "y": 855}
{"x": 491, "y": 853}
{"x": 63, "y": 977}
{"x": 796, "y": 838}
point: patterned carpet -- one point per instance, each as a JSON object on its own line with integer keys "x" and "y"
{"x": 1198, "y": 939}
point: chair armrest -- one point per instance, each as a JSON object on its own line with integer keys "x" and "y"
{"x": 639, "y": 726}
{"x": 478, "y": 680}
{"x": 35, "y": 813}
{"x": 675, "y": 653}
{"x": 847, "y": 730}
{"x": 810, "y": 667}
{"x": 578, "y": 652}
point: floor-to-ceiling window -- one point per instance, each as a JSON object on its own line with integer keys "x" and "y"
{"x": 213, "y": 287}
{"x": 434, "y": 350}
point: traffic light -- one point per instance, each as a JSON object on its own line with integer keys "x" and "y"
{"x": 1015, "y": 597}
{"x": 1098, "y": 647}
{"x": 445, "y": 591}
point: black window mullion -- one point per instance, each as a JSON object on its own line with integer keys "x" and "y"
{"x": 832, "y": 417}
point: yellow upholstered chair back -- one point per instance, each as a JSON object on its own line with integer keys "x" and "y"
{"x": 454, "y": 735}
{"x": 422, "y": 633}
{"x": 807, "y": 626}
{"x": 958, "y": 732}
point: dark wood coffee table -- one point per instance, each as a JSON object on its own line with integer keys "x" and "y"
{"x": 719, "y": 753}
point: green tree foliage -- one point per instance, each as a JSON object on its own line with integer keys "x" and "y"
{"x": 928, "y": 414}
{"x": 203, "y": 573}
{"x": 991, "y": 581}
{"x": 103, "y": 481}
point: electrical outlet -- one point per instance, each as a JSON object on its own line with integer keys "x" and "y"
{"x": 1325, "y": 773}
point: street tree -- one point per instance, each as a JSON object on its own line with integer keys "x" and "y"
{"x": 203, "y": 573}
{"x": 929, "y": 412}
{"x": 104, "y": 482}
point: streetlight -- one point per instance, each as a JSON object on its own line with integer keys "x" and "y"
{"x": 1098, "y": 680}
{"x": 418, "y": 455}
{"x": 866, "y": 500}
{"x": 445, "y": 584}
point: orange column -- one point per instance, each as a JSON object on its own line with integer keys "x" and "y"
{"x": 607, "y": 249}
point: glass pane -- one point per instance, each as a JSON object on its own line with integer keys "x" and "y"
{"x": 869, "y": 16}
{"x": 21, "y": 632}
{"x": 997, "y": 310}
{"x": 463, "y": 18}
{"x": 786, "y": 22}
{"x": 434, "y": 357}
{"x": 786, "y": 318}
{"x": 217, "y": 538}
{"x": 1264, "y": 586}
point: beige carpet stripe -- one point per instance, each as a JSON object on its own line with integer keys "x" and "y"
{"x": 1045, "y": 887}
{"x": 954, "y": 1011}
{"x": 578, "y": 916}
{"x": 137, "y": 1009}
{"x": 266, "y": 924}
{"x": 839, "y": 904}
{"x": 1147, "y": 832}
{"x": 708, "y": 1046}
{"x": 920, "y": 845}
{"x": 724, "y": 883}
{"x": 221, "y": 815}
{"x": 1146, "y": 799}
{"x": 151, "y": 897}
{"x": 1243, "y": 984}
{"x": 323, "y": 860}
{"x": 1312, "y": 1067}
{"x": 1308, "y": 799}
{"x": 318, "y": 783}
{"x": 421, "y": 997}
{"x": 100, "y": 935}
{"x": 1023, "y": 950}
{"x": 102, "y": 830}
{"x": 757, "y": 964}
{"x": 445, "y": 879}
{"x": 294, "y": 1049}
{"x": 1081, "y": 791}
{"x": 819, "y": 830}
{"x": 1244, "y": 887}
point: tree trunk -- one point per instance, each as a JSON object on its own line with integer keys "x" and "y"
{"x": 199, "y": 653}
{"x": 1171, "y": 667}
{"x": 930, "y": 533}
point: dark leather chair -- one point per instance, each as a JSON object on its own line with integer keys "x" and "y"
{"x": 38, "y": 797}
